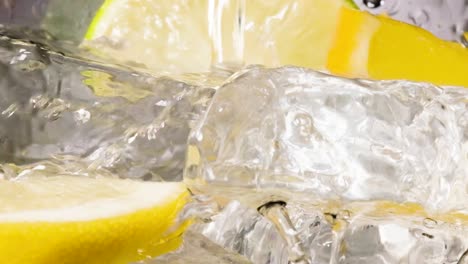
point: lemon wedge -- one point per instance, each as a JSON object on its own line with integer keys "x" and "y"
{"x": 381, "y": 48}
{"x": 76, "y": 220}
{"x": 190, "y": 36}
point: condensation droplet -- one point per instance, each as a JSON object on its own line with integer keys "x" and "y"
{"x": 276, "y": 212}
{"x": 373, "y": 3}
{"x": 54, "y": 115}
{"x": 81, "y": 116}
{"x": 429, "y": 223}
{"x": 10, "y": 110}
{"x": 344, "y": 214}
{"x": 330, "y": 218}
{"x": 303, "y": 126}
{"x": 419, "y": 17}
{"x": 162, "y": 103}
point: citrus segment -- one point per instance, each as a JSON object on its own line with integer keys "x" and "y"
{"x": 381, "y": 48}
{"x": 190, "y": 36}
{"x": 163, "y": 35}
{"x": 286, "y": 32}
{"x": 75, "y": 220}
{"x": 349, "y": 54}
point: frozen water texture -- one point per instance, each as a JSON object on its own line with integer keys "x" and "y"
{"x": 197, "y": 249}
{"x": 107, "y": 117}
{"x": 339, "y": 236}
{"x": 290, "y": 128}
{"x": 303, "y": 133}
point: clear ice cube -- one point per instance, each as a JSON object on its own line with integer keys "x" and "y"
{"x": 197, "y": 249}
{"x": 333, "y": 138}
{"x": 330, "y": 147}
{"x": 341, "y": 236}
{"x": 111, "y": 117}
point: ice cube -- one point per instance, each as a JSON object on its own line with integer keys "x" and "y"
{"x": 346, "y": 235}
{"x": 197, "y": 249}
{"x": 243, "y": 230}
{"x": 399, "y": 241}
{"x": 128, "y": 122}
{"x": 334, "y": 138}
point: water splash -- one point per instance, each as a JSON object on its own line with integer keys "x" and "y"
{"x": 226, "y": 19}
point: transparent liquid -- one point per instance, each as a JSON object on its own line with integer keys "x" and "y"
{"x": 62, "y": 112}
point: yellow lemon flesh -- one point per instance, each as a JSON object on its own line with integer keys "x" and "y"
{"x": 190, "y": 36}
{"x": 382, "y": 48}
{"x": 77, "y": 220}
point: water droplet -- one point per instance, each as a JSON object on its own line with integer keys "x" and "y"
{"x": 39, "y": 102}
{"x": 20, "y": 57}
{"x": 276, "y": 212}
{"x": 373, "y": 3}
{"x": 302, "y": 119}
{"x": 430, "y": 223}
{"x": 202, "y": 208}
{"x": 330, "y": 218}
{"x": 419, "y": 17}
{"x": 162, "y": 103}
{"x": 54, "y": 115}
{"x": 81, "y": 116}
{"x": 198, "y": 136}
{"x": 344, "y": 214}
{"x": 10, "y": 110}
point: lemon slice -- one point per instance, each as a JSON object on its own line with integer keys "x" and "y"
{"x": 190, "y": 36}
{"x": 382, "y": 48}
{"x": 163, "y": 35}
{"x": 68, "y": 220}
